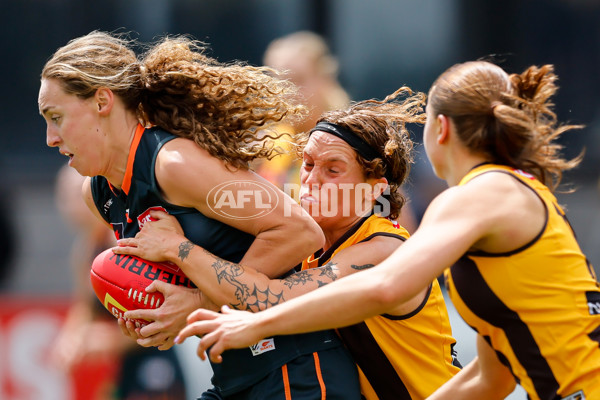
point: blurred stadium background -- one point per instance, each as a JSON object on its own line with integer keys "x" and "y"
{"x": 380, "y": 44}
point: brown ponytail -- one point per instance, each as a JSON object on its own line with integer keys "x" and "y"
{"x": 508, "y": 118}
{"x": 534, "y": 89}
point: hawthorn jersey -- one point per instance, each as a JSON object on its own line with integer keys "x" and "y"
{"x": 537, "y": 306}
{"x": 127, "y": 209}
{"x": 399, "y": 356}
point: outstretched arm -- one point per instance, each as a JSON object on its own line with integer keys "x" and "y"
{"x": 344, "y": 302}
{"x": 399, "y": 278}
{"x": 241, "y": 287}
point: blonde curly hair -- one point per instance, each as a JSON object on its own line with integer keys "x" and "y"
{"x": 174, "y": 85}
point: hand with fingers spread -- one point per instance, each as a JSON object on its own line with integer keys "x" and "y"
{"x": 167, "y": 320}
{"x": 230, "y": 329}
{"x": 156, "y": 240}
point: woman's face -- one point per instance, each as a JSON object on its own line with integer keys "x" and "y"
{"x": 72, "y": 125}
{"x": 334, "y": 187}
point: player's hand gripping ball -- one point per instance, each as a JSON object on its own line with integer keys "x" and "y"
{"x": 119, "y": 281}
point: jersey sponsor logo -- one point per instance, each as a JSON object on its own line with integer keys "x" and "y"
{"x": 575, "y": 396}
{"x": 145, "y": 216}
{"x": 107, "y": 206}
{"x": 593, "y": 301}
{"x": 257, "y": 199}
{"x": 262, "y": 347}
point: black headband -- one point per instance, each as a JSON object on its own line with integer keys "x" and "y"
{"x": 359, "y": 145}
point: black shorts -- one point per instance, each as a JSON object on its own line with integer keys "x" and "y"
{"x": 328, "y": 374}
{"x": 150, "y": 374}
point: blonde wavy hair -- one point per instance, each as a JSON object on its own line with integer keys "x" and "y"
{"x": 508, "y": 118}
{"x": 174, "y": 85}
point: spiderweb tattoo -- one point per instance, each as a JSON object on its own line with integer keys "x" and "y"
{"x": 263, "y": 299}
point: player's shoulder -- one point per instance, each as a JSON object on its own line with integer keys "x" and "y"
{"x": 180, "y": 155}
{"x": 487, "y": 187}
{"x": 183, "y": 159}
{"x": 471, "y": 204}
{"x": 379, "y": 226}
{"x": 494, "y": 180}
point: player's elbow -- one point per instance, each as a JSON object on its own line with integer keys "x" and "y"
{"x": 498, "y": 383}
{"x": 384, "y": 294}
{"x": 503, "y": 385}
{"x": 386, "y": 298}
{"x": 310, "y": 234}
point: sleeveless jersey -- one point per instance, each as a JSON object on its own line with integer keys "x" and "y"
{"x": 127, "y": 209}
{"x": 399, "y": 356}
{"x": 537, "y": 306}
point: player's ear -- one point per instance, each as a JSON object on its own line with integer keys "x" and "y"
{"x": 444, "y": 128}
{"x": 104, "y": 98}
{"x": 379, "y": 185}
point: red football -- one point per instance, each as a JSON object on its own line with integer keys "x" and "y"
{"x": 119, "y": 281}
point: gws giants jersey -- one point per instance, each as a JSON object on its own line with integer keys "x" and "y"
{"x": 399, "y": 356}
{"x": 127, "y": 209}
{"x": 537, "y": 306}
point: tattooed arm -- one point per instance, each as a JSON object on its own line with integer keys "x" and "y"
{"x": 242, "y": 287}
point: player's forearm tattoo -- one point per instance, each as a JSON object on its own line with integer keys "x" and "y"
{"x": 361, "y": 267}
{"x": 184, "y": 249}
{"x": 229, "y": 272}
{"x": 329, "y": 271}
{"x": 303, "y": 277}
{"x": 263, "y": 299}
{"x": 299, "y": 278}
{"x": 251, "y": 300}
